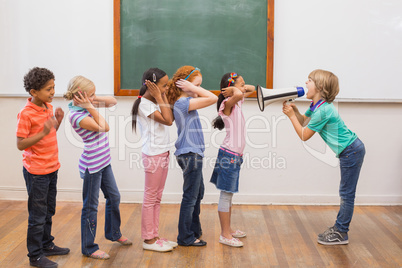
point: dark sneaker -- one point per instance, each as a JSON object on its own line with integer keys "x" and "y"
{"x": 328, "y": 231}
{"x": 334, "y": 238}
{"x": 43, "y": 262}
{"x": 55, "y": 250}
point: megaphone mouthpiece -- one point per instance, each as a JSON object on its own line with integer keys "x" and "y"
{"x": 300, "y": 92}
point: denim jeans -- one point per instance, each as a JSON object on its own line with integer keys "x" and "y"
{"x": 351, "y": 161}
{"x": 42, "y": 191}
{"x": 105, "y": 181}
{"x": 193, "y": 192}
{"x": 227, "y": 171}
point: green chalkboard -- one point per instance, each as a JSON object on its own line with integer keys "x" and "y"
{"x": 217, "y": 36}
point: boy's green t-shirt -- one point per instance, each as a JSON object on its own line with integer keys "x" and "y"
{"x": 326, "y": 121}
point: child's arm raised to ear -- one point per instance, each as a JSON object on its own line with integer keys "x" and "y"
{"x": 165, "y": 116}
{"x": 249, "y": 90}
{"x": 104, "y": 101}
{"x": 96, "y": 122}
{"x": 235, "y": 95}
{"x": 205, "y": 97}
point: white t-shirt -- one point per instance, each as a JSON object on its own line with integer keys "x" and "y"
{"x": 154, "y": 135}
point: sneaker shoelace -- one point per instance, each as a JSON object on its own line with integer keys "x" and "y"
{"x": 334, "y": 235}
{"x": 232, "y": 241}
{"x": 159, "y": 242}
{"x": 330, "y": 230}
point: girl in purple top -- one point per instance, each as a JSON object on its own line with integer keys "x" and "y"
{"x": 94, "y": 165}
{"x": 229, "y": 160}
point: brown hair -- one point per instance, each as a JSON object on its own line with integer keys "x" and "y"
{"x": 173, "y": 93}
{"x": 326, "y": 83}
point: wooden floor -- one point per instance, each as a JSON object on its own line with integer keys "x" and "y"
{"x": 277, "y": 236}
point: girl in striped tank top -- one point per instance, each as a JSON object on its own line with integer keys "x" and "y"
{"x": 94, "y": 165}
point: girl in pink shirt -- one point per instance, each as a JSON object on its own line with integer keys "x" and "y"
{"x": 229, "y": 160}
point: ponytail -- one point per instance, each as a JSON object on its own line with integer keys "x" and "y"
{"x": 218, "y": 121}
{"x": 134, "y": 110}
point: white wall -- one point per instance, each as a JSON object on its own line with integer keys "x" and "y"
{"x": 358, "y": 40}
{"x": 76, "y": 38}
{"x": 68, "y": 37}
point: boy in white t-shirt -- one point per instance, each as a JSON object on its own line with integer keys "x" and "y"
{"x": 153, "y": 114}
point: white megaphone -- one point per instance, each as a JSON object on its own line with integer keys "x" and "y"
{"x": 267, "y": 96}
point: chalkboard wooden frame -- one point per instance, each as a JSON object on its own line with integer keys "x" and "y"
{"x": 118, "y": 91}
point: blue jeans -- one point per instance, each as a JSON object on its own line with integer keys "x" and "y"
{"x": 351, "y": 161}
{"x": 105, "y": 181}
{"x": 42, "y": 191}
{"x": 193, "y": 192}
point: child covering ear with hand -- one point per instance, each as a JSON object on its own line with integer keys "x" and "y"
{"x": 187, "y": 96}
{"x": 152, "y": 113}
{"x": 94, "y": 165}
{"x": 230, "y": 156}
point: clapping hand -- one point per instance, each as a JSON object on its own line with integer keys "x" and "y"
{"x": 59, "y": 114}
{"x": 49, "y": 124}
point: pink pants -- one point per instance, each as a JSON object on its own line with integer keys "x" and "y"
{"x": 156, "y": 168}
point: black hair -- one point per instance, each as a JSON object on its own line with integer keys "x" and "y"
{"x": 218, "y": 121}
{"x": 36, "y": 78}
{"x": 148, "y": 75}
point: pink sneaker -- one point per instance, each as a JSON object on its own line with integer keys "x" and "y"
{"x": 238, "y": 234}
{"x": 234, "y": 242}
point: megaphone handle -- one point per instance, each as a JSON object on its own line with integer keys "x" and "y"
{"x": 289, "y": 101}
